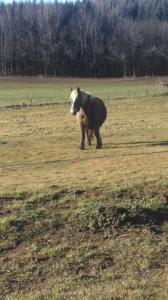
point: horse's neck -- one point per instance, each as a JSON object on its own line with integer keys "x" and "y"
{"x": 84, "y": 98}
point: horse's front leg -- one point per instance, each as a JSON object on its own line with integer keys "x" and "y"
{"x": 82, "y": 144}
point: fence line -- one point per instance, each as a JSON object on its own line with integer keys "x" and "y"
{"x": 39, "y": 101}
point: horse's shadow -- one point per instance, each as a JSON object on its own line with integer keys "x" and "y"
{"x": 135, "y": 144}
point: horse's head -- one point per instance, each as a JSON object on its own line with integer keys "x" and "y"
{"x": 75, "y": 101}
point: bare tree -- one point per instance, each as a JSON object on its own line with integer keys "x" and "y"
{"x": 84, "y": 38}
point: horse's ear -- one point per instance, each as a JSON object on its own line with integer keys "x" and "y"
{"x": 78, "y": 90}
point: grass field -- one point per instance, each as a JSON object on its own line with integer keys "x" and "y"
{"x": 87, "y": 224}
{"x": 35, "y": 90}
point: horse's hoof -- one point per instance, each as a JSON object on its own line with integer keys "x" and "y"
{"x": 99, "y": 147}
{"x": 81, "y": 148}
{"x": 89, "y": 144}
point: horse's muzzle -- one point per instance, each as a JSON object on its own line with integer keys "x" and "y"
{"x": 73, "y": 113}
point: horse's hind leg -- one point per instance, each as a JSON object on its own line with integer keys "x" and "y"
{"x": 89, "y": 136}
{"x": 98, "y": 138}
{"x": 82, "y": 144}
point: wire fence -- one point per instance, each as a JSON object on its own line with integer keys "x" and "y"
{"x": 31, "y": 100}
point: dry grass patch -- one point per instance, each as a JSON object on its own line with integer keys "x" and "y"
{"x": 44, "y": 150}
{"x": 84, "y": 224}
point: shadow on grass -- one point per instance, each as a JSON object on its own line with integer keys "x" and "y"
{"x": 150, "y": 216}
{"x": 135, "y": 144}
{"x": 118, "y": 217}
{"x": 102, "y": 156}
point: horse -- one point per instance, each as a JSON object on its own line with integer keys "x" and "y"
{"x": 91, "y": 113}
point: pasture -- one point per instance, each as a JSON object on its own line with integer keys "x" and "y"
{"x": 40, "y": 90}
{"x": 89, "y": 224}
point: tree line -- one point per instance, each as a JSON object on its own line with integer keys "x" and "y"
{"x": 92, "y": 38}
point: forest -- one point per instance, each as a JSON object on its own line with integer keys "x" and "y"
{"x": 89, "y": 38}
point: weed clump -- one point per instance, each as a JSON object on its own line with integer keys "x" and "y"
{"x": 113, "y": 218}
{"x": 106, "y": 217}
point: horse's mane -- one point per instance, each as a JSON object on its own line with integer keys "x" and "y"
{"x": 84, "y": 96}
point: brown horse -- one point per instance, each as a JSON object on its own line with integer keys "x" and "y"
{"x": 91, "y": 113}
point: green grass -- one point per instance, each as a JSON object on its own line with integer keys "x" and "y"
{"x": 36, "y": 90}
{"x": 84, "y": 224}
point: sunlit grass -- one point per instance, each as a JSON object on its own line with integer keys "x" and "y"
{"x": 84, "y": 224}
{"x": 35, "y": 90}
{"x": 39, "y": 147}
